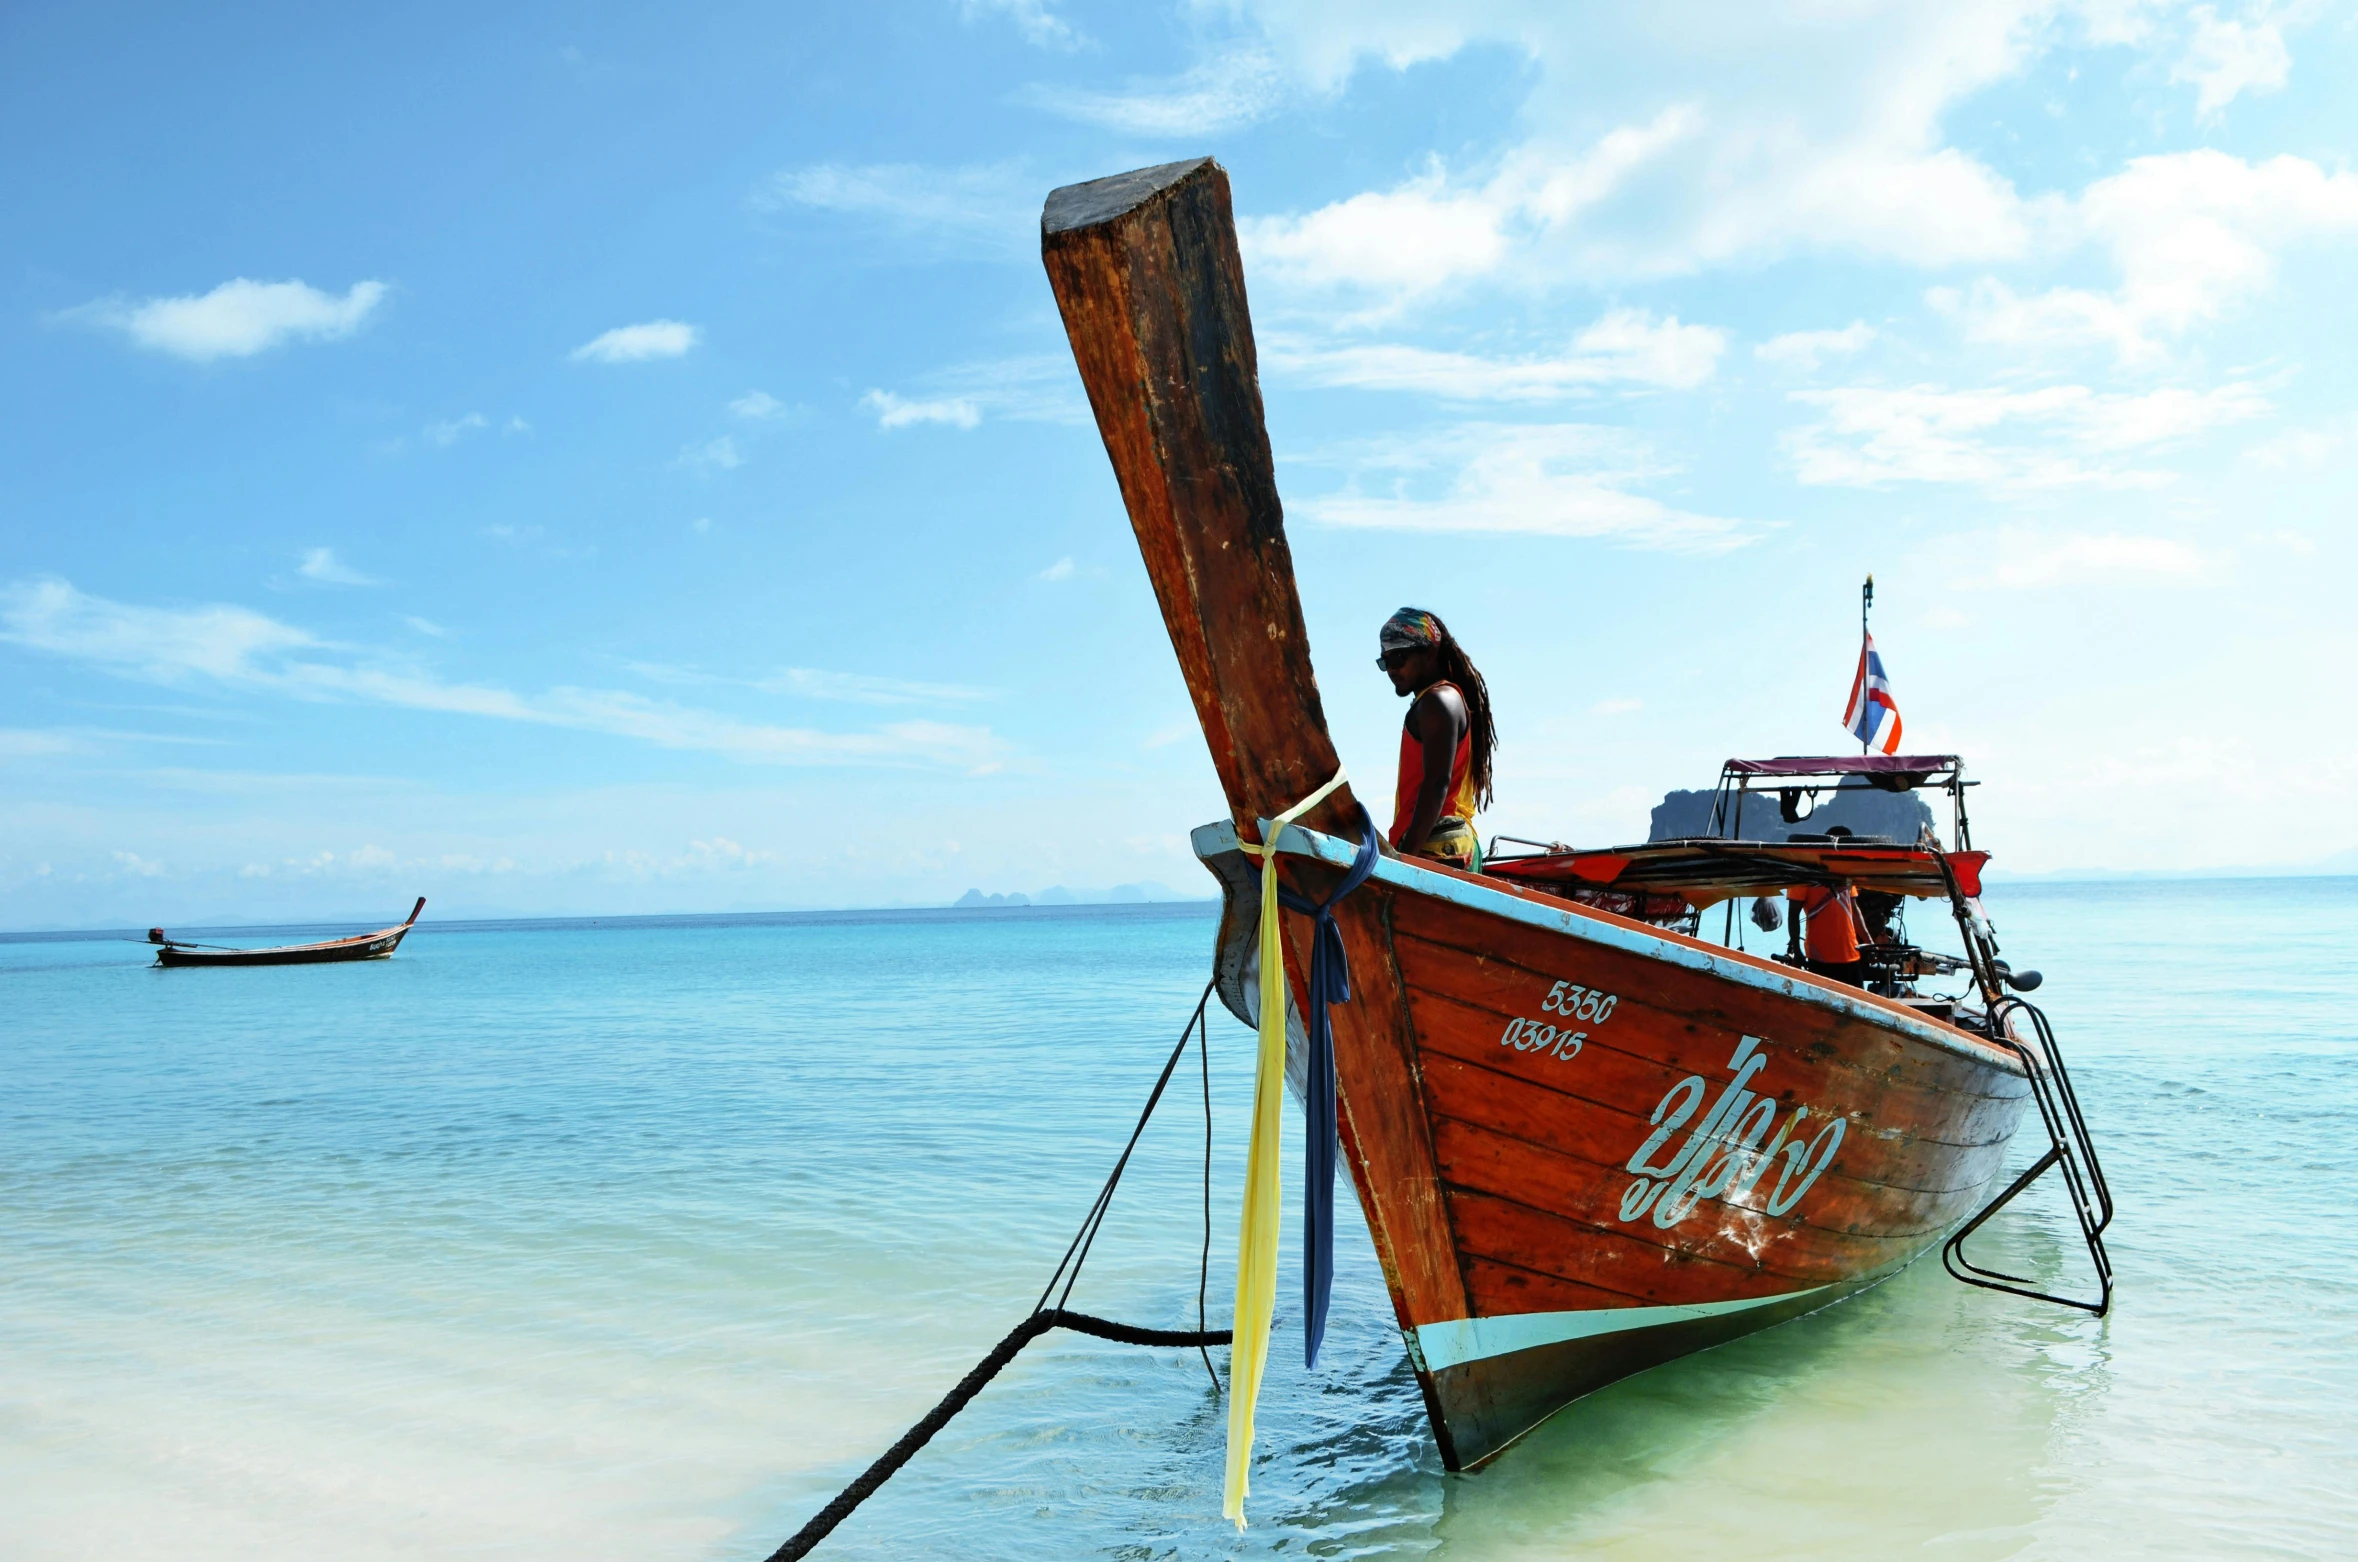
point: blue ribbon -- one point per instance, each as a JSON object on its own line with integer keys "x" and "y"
{"x": 1330, "y": 982}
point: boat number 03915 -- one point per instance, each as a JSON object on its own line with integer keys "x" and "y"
{"x": 1572, "y": 1002}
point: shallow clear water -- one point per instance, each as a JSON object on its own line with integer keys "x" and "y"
{"x": 637, "y": 1240}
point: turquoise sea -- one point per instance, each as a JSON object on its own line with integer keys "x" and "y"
{"x": 635, "y": 1239}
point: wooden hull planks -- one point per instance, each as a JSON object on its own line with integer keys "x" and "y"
{"x": 1584, "y": 1145}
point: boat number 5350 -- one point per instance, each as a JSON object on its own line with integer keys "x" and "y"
{"x": 1579, "y": 1003}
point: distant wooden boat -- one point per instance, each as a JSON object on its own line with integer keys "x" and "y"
{"x": 1587, "y": 1141}
{"x": 360, "y": 946}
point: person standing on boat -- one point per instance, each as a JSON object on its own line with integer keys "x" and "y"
{"x": 1831, "y": 940}
{"x": 1445, "y": 743}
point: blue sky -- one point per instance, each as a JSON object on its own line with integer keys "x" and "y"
{"x": 584, "y": 459}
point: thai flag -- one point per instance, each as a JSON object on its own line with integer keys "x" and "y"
{"x": 1873, "y": 715}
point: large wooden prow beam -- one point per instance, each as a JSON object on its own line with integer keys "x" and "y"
{"x": 1146, "y": 272}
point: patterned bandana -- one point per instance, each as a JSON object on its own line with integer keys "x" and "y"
{"x": 1410, "y": 627}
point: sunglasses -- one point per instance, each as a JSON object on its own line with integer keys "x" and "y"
{"x": 1393, "y": 660}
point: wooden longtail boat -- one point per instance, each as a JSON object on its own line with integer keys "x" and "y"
{"x": 360, "y": 946}
{"x": 1586, "y": 1140}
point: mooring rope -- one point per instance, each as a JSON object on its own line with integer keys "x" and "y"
{"x": 1044, "y": 1317}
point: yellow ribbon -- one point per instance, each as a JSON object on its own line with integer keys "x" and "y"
{"x": 1256, "y": 1238}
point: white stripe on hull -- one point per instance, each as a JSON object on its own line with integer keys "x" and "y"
{"x": 1444, "y": 1345}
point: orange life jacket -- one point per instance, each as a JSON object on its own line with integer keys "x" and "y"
{"x": 1833, "y": 933}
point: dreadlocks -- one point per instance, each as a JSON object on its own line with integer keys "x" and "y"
{"x": 1462, "y": 672}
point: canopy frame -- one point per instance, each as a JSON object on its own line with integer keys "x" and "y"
{"x": 1788, "y": 775}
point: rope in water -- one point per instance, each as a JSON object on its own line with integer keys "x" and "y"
{"x": 1044, "y": 1317}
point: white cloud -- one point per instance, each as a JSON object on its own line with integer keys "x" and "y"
{"x": 1622, "y": 707}
{"x": 1062, "y": 569}
{"x": 818, "y": 683}
{"x": 1805, "y": 350}
{"x": 867, "y": 689}
{"x": 1734, "y": 139}
{"x": 638, "y": 343}
{"x": 1720, "y": 139}
{"x": 711, "y": 456}
{"x": 758, "y": 404}
{"x": 242, "y": 649}
{"x": 2227, "y": 58}
{"x": 165, "y": 645}
{"x": 2191, "y": 233}
{"x": 1561, "y": 480}
{"x": 1549, "y": 213}
{"x": 450, "y": 430}
{"x": 1035, "y": 19}
{"x": 23, "y": 743}
{"x": 2054, "y": 437}
{"x": 900, "y": 412}
{"x": 1032, "y": 388}
{"x": 1626, "y": 346}
{"x": 1222, "y": 93}
{"x": 1716, "y": 140}
{"x": 2305, "y": 448}
{"x": 133, "y": 863}
{"x": 516, "y": 426}
{"x": 237, "y": 319}
{"x": 322, "y": 565}
{"x": 424, "y": 626}
{"x": 26, "y": 743}
{"x": 2027, "y": 561}
{"x": 1409, "y": 239}
{"x": 990, "y": 208}
{"x": 700, "y": 860}
{"x": 370, "y": 859}
{"x": 1713, "y": 140}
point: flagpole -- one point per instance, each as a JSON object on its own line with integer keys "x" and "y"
{"x": 1866, "y": 601}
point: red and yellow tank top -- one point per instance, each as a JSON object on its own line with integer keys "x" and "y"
{"x": 1459, "y": 802}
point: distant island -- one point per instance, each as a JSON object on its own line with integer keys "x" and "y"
{"x": 1057, "y": 895}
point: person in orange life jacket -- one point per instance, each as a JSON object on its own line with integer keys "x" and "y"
{"x": 1831, "y": 941}
{"x": 1445, "y": 743}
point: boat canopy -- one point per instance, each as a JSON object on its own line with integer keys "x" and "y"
{"x": 1667, "y": 880}
{"x": 1706, "y": 870}
{"x": 1892, "y": 772}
